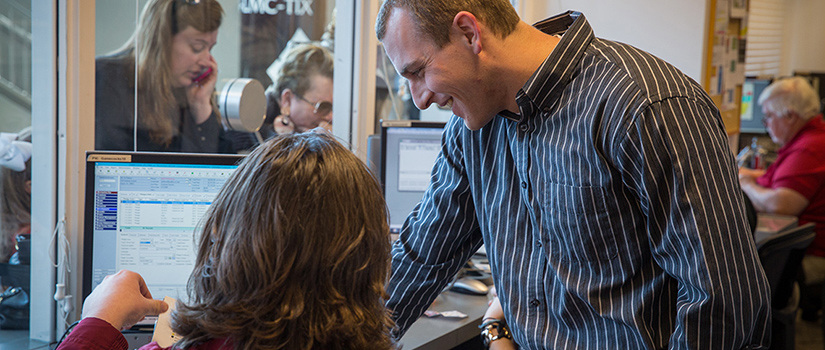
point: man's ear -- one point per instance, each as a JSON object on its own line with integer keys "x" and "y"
{"x": 468, "y": 26}
{"x": 286, "y": 99}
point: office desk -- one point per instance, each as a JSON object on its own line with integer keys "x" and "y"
{"x": 769, "y": 225}
{"x": 445, "y": 333}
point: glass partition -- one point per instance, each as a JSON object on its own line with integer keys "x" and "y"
{"x": 185, "y": 68}
{"x": 15, "y": 171}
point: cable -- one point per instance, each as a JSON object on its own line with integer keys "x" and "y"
{"x": 65, "y": 333}
{"x": 60, "y": 242}
{"x": 393, "y": 102}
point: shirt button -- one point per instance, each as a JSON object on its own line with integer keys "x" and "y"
{"x": 203, "y": 138}
{"x": 200, "y": 129}
{"x": 538, "y": 243}
{"x": 535, "y": 302}
{"x": 523, "y": 127}
{"x": 545, "y": 114}
{"x": 523, "y": 184}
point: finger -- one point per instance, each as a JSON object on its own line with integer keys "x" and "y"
{"x": 144, "y": 289}
{"x": 157, "y": 307}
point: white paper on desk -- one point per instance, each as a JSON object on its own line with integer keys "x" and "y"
{"x": 164, "y": 335}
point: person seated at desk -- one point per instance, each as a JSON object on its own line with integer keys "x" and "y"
{"x": 176, "y": 75}
{"x": 795, "y": 183}
{"x": 294, "y": 254}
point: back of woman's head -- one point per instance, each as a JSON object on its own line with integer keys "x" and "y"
{"x": 294, "y": 253}
{"x": 15, "y": 195}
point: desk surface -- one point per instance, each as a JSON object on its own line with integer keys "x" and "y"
{"x": 446, "y": 333}
{"x": 770, "y": 224}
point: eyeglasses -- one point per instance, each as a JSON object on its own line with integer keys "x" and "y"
{"x": 768, "y": 116}
{"x": 322, "y": 108}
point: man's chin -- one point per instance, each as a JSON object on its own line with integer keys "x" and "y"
{"x": 473, "y": 124}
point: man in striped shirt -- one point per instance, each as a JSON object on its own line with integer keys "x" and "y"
{"x": 598, "y": 177}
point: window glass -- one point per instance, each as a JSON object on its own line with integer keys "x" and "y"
{"x": 15, "y": 171}
{"x": 186, "y": 69}
{"x": 393, "y": 99}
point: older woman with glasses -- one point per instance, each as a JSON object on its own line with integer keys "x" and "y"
{"x": 165, "y": 75}
{"x": 300, "y": 99}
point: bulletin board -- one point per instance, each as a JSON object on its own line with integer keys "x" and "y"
{"x": 725, "y": 59}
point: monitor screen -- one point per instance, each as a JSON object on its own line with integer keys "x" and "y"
{"x": 408, "y": 152}
{"x": 751, "y": 112}
{"x": 143, "y": 211}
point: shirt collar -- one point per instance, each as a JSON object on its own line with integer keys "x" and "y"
{"x": 816, "y": 122}
{"x": 548, "y": 81}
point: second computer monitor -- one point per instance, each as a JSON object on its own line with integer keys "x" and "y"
{"x": 409, "y": 149}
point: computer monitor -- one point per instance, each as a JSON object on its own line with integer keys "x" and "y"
{"x": 751, "y": 112}
{"x": 143, "y": 211}
{"x": 408, "y": 151}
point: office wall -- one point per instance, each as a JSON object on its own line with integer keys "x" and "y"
{"x": 671, "y": 30}
{"x": 805, "y": 37}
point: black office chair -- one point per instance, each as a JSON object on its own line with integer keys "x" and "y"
{"x": 781, "y": 257}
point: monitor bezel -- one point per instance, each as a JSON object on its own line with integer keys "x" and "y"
{"x": 94, "y": 157}
{"x": 386, "y": 125}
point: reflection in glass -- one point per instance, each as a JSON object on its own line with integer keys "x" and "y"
{"x": 288, "y": 46}
{"x": 15, "y": 171}
{"x": 15, "y": 229}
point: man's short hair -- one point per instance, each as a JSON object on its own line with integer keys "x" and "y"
{"x": 435, "y": 17}
{"x": 793, "y": 94}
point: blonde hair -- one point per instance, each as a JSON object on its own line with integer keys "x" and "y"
{"x": 15, "y": 201}
{"x": 300, "y": 64}
{"x": 159, "y": 22}
{"x": 294, "y": 253}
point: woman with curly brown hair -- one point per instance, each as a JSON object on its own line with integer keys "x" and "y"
{"x": 294, "y": 254}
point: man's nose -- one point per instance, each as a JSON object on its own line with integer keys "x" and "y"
{"x": 421, "y": 95}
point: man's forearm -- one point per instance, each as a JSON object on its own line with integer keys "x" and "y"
{"x": 780, "y": 200}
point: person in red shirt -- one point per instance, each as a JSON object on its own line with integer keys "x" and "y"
{"x": 795, "y": 183}
{"x": 293, "y": 254}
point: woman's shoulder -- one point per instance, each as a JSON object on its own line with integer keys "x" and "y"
{"x": 214, "y": 344}
{"x": 112, "y": 64}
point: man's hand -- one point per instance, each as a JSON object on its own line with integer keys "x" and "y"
{"x": 495, "y": 311}
{"x": 122, "y": 300}
{"x": 747, "y": 174}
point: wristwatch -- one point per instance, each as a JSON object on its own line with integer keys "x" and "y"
{"x": 493, "y": 329}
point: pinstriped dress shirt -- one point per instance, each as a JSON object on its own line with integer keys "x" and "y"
{"x": 609, "y": 206}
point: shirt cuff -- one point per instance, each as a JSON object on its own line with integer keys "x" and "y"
{"x": 94, "y": 333}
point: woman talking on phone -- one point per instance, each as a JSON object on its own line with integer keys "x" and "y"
{"x": 167, "y": 70}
